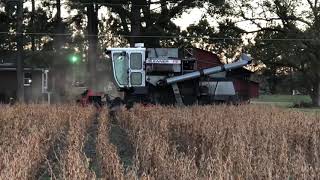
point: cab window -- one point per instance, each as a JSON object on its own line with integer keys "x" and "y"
{"x": 136, "y": 61}
{"x": 121, "y": 66}
{"x": 136, "y": 78}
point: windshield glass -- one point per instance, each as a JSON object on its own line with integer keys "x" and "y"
{"x": 121, "y": 66}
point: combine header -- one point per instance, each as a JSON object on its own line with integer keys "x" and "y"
{"x": 166, "y": 76}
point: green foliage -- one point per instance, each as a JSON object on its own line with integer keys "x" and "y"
{"x": 284, "y": 98}
{"x": 7, "y": 22}
{"x": 224, "y": 39}
{"x": 286, "y": 101}
{"x": 287, "y": 42}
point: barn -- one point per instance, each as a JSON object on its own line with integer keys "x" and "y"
{"x": 244, "y": 86}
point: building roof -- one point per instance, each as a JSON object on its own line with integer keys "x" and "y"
{"x": 12, "y": 67}
{"x": 206, "y": 59}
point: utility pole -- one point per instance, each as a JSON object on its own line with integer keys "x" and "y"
{"x": 58, "y": 43}
{"x": 19, "y": 62}
{"x": 59, "y": 31}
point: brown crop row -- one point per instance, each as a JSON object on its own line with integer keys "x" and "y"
{"x": 74, "y": 163}
{"x": 223, "y": 142}
{"x": 28, "y": 132}
{"x": 205, "y": 142}
{"x": 26, "y": 136}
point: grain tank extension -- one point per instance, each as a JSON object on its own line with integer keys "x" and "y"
{"x": 169, "y": 76}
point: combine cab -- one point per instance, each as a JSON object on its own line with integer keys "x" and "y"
{"x": 167, "y": 76}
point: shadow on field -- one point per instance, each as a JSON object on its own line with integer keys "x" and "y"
{"x": 50, "y": 168}
{"x": 90, "y": 146}
{"x": 119, "y": 137}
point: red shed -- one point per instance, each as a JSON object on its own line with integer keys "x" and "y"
{"x": 206, "y": 59}
{"x": 245, "y": 88}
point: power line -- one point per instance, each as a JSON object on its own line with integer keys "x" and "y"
{"x": 287, "y": 39}
{"x": 122, "y": 4}
{"x": 126, "y": 36}
{"x": 114, "y": 4}
{"x": 105, "y": 4}
{"x": 159, "y": 36}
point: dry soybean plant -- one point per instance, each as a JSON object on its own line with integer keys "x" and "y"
{"x": 74, "y": 163}
{"x": 223, "y": 142}
{"x": 198, "y": 142}
{"x": 27, "y": 132}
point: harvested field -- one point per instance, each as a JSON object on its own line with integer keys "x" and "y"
{"x": 200, "y": 142}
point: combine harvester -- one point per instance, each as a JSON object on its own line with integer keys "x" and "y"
{"x": 166, "y": 76}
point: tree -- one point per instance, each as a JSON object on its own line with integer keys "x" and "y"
{"x": 15, "y": 9}
{"x": 19, "y": 60}
{"x": 33, "y": 9}
{"x": 90, "y": 10}
{"x": 224, "y": 39}
{"x": 92, "y": 16}
{"x": 6, "y": 23}
{"x": 296, "y": 38}
{"x": 139, "y": 19}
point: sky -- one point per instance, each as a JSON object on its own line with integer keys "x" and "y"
{"x": 190, "y": 17}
